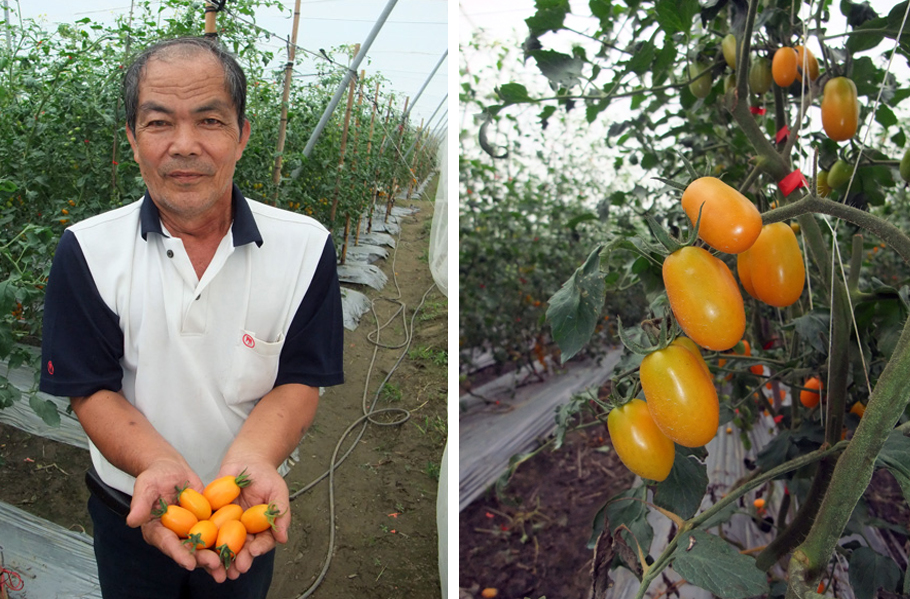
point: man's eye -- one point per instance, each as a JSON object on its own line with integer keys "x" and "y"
{"x": 211, "y": 122}
{"x": 158, "y": 123}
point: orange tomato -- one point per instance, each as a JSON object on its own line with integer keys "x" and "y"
{"x": 705, "y": 298}
{"x": 638, "y": 442}
{"x": 777, "y": 272}
{"x": 231, "y": 538}
{"x": 260, "y": 517}
{"x": 175, "y": 518}
{"x": 696, "y": 351}
{"x": 195, "y": 502}
{"x": 811, "y": 395}
{"x": 231, "y": 511}
{"x": 730, "y": 222}
{"x": 805, "y": 60}
{"x": 783, "y": 66}
{"x": 858, "y": 408}
{"x": 226, "y": 489}
{"x": 840, "y": 109}
{"x": 202, "y": 535}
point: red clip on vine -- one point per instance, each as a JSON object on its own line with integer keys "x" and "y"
{"x": 782, "y": 134}
{"x": 10, "y": 580}
{"x": 758, "y": 110}
{"x": 792, "y": 182}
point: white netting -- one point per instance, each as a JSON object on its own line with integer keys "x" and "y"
{"x": 439, "y": 231}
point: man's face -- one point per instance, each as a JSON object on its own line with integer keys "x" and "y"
{"x": 187, "y": 138}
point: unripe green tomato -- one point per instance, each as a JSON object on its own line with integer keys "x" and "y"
{"x": 729, "y": 82}
{"x": 760, "y": 76}
{"x": 728, "y": 46}
{"x": 905, "y": 166}
{"x": 701, "y": 87}
{"x": 839, "y": 174}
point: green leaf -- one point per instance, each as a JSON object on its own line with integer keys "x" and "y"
{"x": 895, "y": 456}
{"x": 550, "y": 16}
{"x": 885, "y": 116}
{"x": 813, "y": 328}
{"x": 573, "y": 311}
{"x": 545, "y": 115}
{"x": 685, "y": 487}
{"x": 642, "y": 59}
{"x": 512, "y": 93}
{"x": 716, "y": 566}
{"x": 629, "y": 512}
{"x": 675, "y": 16}
{"x": 870, "y": 571}
{"x": 46, "y": 409}
{"x": 562, "y": 70}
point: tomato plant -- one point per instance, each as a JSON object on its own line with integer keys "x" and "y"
{"x": 638, "y": 442}
{"x": 818, "y": 298}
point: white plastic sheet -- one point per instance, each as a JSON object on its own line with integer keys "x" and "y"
{"x": 439, "y": 230}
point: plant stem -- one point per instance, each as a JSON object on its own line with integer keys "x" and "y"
{"x": 854, "y": 469}
{"x": 888, "y": 233}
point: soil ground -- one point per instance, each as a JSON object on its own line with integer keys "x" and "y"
{"x": 530, "y": 541}
{"x": 384, "y": 493}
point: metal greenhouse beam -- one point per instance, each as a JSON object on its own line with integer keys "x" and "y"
{"x": 364, "y": 48}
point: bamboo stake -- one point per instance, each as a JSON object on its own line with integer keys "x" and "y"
{"x": 116, "y": 144}
{"x": 347, "y": 214}
{"x": 211, "y": 27}
{"x": 285, "y": 100}
{"x": 357, "y": 134}
{"x": 344, "y": 141}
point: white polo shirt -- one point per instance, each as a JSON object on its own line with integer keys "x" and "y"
{"x": 126, "y": 312}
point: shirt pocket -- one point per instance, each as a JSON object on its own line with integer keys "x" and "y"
{"x": 254, "y": 368}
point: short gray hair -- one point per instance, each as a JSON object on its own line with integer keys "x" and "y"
{"x": 234, "y": 77}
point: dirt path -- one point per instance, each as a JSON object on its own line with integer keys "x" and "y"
{"x": 385, "y": 492}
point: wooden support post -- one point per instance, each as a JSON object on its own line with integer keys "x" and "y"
{"x": 344, "y": 141}
{"x": 211, "y": 25}
{"x": 285, "y": 100}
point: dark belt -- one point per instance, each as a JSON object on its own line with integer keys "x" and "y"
{"x": 117, "y": 501}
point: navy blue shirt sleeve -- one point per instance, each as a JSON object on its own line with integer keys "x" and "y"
{"x": 81, "y": 344}
{"x": 314, "y": 346}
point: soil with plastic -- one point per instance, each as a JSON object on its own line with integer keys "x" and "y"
{"x": 530, "y": 540}
{"x": 385, "y": 492}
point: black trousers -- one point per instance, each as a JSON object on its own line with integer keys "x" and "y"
{"x": 130, "y": 568}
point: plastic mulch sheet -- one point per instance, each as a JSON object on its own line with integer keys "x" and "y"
{"x": 354, "y": 305}
{"x": 51, "y": 562}
{"x": 362, "y": 274}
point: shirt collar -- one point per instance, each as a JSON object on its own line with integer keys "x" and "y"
{"x": 243, "y": 227}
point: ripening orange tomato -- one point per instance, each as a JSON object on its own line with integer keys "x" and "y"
{"x": 729, "y": 221}
{"x": 705, "y": 298}
{"x": 744, "y": 270}
{"x": 783, "y": 66}
{"x": 231, "y": 538}
{"x": 226, "y": 489}
{"x": 811, "y": 395}
{"x": 195, "y": 502}
{"x": 776, "y": 267}
{"x": 202, "y": 535}
{"x": 176, "y": 518}
{"x": 681, "y": 397}
{"x": 231, "y": 511}
{"x": 806, "y": 61}
{"x": 260, "y": 517}
{"x": 840, "y": 109}
{"x": 696, "y": 351}
{"x": 638, "y": 442}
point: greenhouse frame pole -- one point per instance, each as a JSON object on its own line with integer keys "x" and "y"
{"x": 364, "y": 48}
{"x": 430, "y": 120}
{"x": 425, "y": 84}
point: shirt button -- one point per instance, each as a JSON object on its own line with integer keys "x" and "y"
{"x": 170, "y": 253}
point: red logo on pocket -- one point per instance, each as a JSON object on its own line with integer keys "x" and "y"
{"x": 50, "y": 367}
{"x": 249, "y": 341}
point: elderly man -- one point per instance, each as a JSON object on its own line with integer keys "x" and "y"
{"x": 192, "y": 330}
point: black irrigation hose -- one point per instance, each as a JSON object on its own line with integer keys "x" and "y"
{"x": 369, "y": 413}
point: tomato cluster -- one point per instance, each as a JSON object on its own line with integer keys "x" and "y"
{"x": 681, "y": 403}
{"x": 211, "y": 520}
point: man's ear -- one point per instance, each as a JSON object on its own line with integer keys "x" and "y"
{"x": 131, "y": 136}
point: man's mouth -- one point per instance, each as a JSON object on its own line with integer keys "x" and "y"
{"x": 185, "y": 176}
